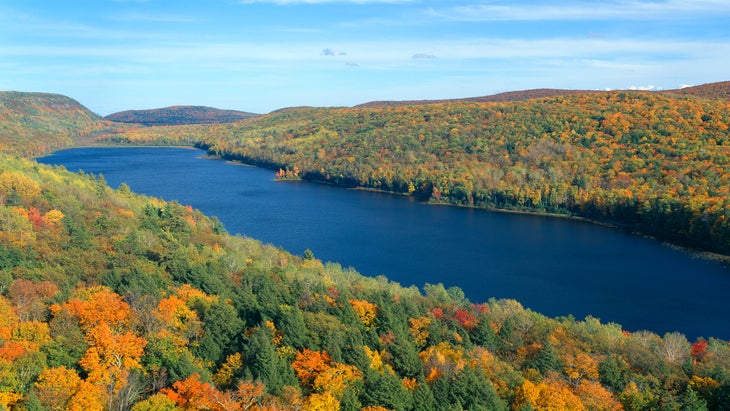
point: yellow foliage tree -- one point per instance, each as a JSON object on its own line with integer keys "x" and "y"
{"x": 89, "y": 397}
{"x": 227, "y": 372}
{"x": 15, "y": 183}
{"x": 365, "y": 311}
{"x": 548, "y": 395}
{"x": 596, "y": 398}
{"x": 418, "y": 328}
{"x": 335, "y": 379}
{"x": 56, "y": 386}
{"x": 325, "y": 401}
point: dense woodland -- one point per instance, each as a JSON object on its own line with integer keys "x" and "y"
{"x": 114, "y": 301}
{"x": 177, "y": 115}
{"x": 654, "y": 163}
{"x": 32, "y": 124}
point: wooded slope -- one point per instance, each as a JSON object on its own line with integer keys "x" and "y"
{"x": 494, "y": 98}
{"x": 36, "y": 123}
{"x": 655, "y": 163}
{"x": 112, "y": 301}
{"x": 177, "y": 115}
{"x": 652, "y": 162}
{"x": 720, "y": 90}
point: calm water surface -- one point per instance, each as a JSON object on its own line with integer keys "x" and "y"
{"x": 551, "y": 265}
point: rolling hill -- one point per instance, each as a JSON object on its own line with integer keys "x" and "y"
{"x": 501, "y": 97}
{"x": 36, "y": 123}
{"x": 654, "y": 163}
{"x": 719, "y": 90}
{"x": 177, "y": 115}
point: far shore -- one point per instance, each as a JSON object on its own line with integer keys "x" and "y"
{"x": 698, "y": 253}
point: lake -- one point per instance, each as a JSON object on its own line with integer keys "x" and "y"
{"x": 555, "y": 266}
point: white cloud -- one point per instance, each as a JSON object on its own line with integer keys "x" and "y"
{"x": 650, "y": 87}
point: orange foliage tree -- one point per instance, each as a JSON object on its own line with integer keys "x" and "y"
{"x": 114, "y": 349}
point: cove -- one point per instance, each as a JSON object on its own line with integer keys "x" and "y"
{"x": 551, "y": 265}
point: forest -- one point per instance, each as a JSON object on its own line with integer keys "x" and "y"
{"x": 658, "y": 164}
{"x": 115, "y": 301}
{"x": 177, "y": 115}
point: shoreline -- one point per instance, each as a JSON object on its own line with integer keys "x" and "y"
{"x": 693, "y": 252}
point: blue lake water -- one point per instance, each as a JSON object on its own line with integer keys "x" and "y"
{"x": 551, "y": 265}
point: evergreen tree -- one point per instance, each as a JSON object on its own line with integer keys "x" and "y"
{"x": 222, "y": 328}
{"x": 692, "y": 402}
{"x": 472, "y": 390}
{"x": 385, "y": 390}
{"x": 546, "y": 360}
{"x": 264, "y": 362}
{"x": 611, "y": 373}
{"x": 405, "y": 359}
{"x": 423, "y": 399}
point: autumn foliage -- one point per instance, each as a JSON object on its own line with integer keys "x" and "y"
{"x": 113, "y": 301}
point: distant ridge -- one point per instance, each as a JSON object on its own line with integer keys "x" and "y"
{"x": 719, "y": 90}
{"x": 179, "y": 115}
{"x": 495, "y": 98}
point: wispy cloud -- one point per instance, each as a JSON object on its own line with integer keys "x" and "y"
{"x": 35, "y": 27}
{"x": 615, "y": 63}
{"x": 292, "y": 2}
{"x": 154, "y": 18}
{"x": 586, "y": 11}
{"x": 423, "y": 56}
{"x": 589, "y": 49}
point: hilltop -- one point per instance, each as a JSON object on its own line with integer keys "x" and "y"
{"x": 501, "y": 97}
{"x": 720, "y": 90}
{"x": 36, "y": 123}
{"x": 178, "y": 115}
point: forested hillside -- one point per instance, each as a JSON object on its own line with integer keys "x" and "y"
{"x": 113, "y": 301}
{"x": 178, "y": 115}
{"x": 36, "y": 123}
{"x": 654, "y": 163}
{"x": 657, "y": 163}
{"x": 494, "y": 98}
{"x": 719, "y": 90}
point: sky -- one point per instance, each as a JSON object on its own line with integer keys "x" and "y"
{"x": 263, "y": 55}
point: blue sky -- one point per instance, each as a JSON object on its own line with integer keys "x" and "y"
{"x": 262, "y": 55}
